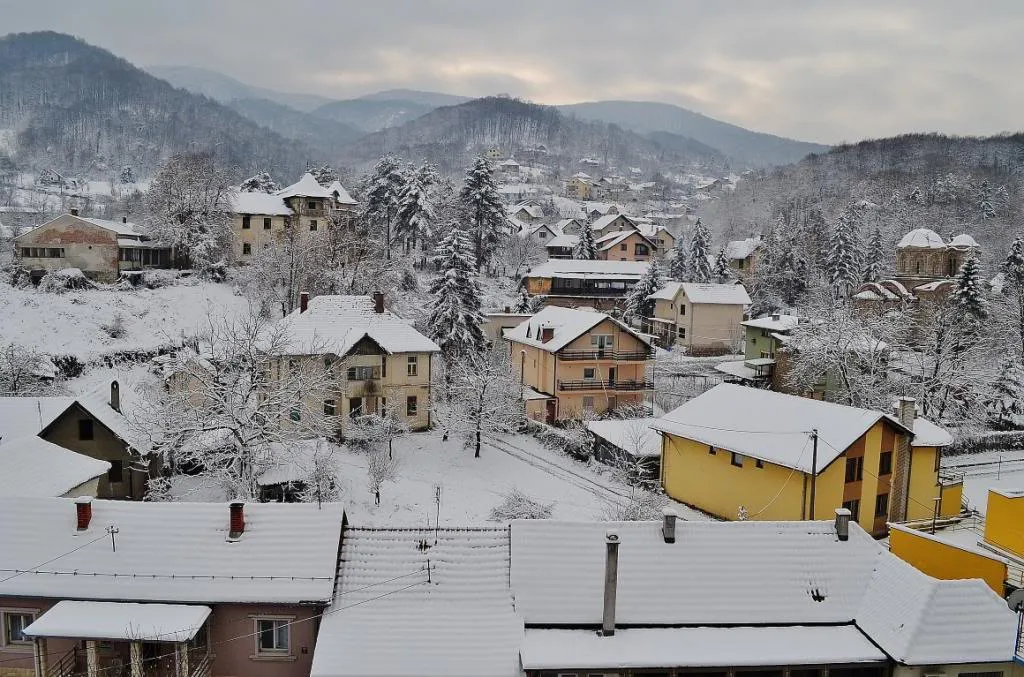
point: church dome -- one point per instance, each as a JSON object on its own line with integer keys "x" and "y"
{"x": 964, "y": 241}
{"x": 922, "y": 238}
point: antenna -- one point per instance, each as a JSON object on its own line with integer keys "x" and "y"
{"x": 113, "y": 530}
{"x": 437, "y": 520}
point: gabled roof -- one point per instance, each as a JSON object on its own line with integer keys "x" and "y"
{"x": 569, "y": 324}
{"x": 770, "y": 426}
{"x": 563, "y": 240}
{"x": 23, "y": 416}
{"x": 307, "y": 186}
{"x": 610, "y": 240}
{"x": 711, "y": 294}
{"x": 34, "y": 467}
{"x": 341, "y": 195}
{"x": 335, "y": 324}
{"x": 287, "y": 554}
{"x": 741, "y": 249}
{"x": 604, "y": 221}
{"x": 585, "y": 269}
{"x": 534, "y": 211}
{"x": 259, "y": 203}
{"x": 116, "y": 227}
{"x": 781, "y": 323}
{"x": 395, "y": 619}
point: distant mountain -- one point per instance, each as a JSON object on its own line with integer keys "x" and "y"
{"x": 752, "y": 149}
{"x": 72, "y": 107}
{"x": 225, "y": 88}
{"x": 327, "y": 135}
{"x": 432, "y": 99}
{"x": 450, "y": 136}
{"x": 372, "y": 115}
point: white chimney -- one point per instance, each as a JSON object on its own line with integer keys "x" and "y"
{"x": 668, "y": 524}
{"x": 843, "y": 524}
{"x": 611, "y": 581}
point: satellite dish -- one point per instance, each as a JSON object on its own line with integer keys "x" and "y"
{"x": 1016, "y": 600}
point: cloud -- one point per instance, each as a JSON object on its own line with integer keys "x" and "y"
{"x": 799, "y": 68}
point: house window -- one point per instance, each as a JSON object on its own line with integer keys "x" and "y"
{"x": 881, "y": 505}
{"x": 411, "y": 407}
{"x": 116, "y": 472}
{"x": 330, "y": 407}
{"x": 360, "y": 373}
{"x": 588, "y": 373}
{"x": 885, "y": 463}
{"x": 758, "y": 463}
{"x": 14, "y": 623}
{"x": 295, "y": 414}
{"x": 602, "y": 341}
{"x": 542, "y": 235}
{"x": 85, "y": 431}
{"x": 623, "y": 247}
{"x": 273, "y": 636}
{"x": 711, "y": 450}
{"x": 682, "y": 332}
{"x": 311, "y": 204}
{"x": 293, "y": 366}
{"x": 641, "y": 249}
{"x": 853, "y": 505}
{"x": 246, "y": 249}
{"x": 855, "y": 469}
{"x": 737, "y": 460}
{"x": 682, "y": 309}
{"x": 412, "y": 365}
{"x": 266, "y": 223}
{"x": 312, "y": 224}
{"x": 383, "y": 366}
{"x": 329, "y": 362}
{"x": 245, "y": 222}
{"x": 588, "y": 404}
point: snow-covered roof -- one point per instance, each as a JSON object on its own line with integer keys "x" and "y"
{"x": 769, "y": 426}
{"x": 307, "y": 186}
{"x": 340, "y": 194}
{"x": 710, "y": 293}
{"x": 933, "y": 285}
{"x": 396, "y": 619}
{"x": 563, "y": 223}
{"x": 634, "y": 435}
{"x": 652, "y": 230}
{"x": 533, "y": 211}
{"x": 741, "y": 249}
{"x": 335, "y": 324}
{"x": 964, "y": 240}
{"x": 169, "y": 552}
{"x": 603, "y": 222}
{"x": 582, "y": 176}
{"x": 922, "y": 238}
{"x": 737, "y": 368}
{"x": 700, "y": 647}
{"x": 119, "y": 227}
{"x": 259, "y": 203}
{"x": 34, "y": 467}
{"x": 774, "y": 322}
{"x": 23, "y": 416}
{"x": 563, "y": 240}
{"x": 611, "y": 240}
{"x": 120, "y": 621}
{"x": 568, "y": 323}
{"x": 508, "y": 163}
{"x": 778, "y": 573}
{"x": 585, "y": 269}
{"x": 927, "y": 434}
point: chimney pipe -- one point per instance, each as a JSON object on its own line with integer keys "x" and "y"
{"x": 74, "y": 211}
{"x": 378, "y": 302}
{"x": 83, "y": 512}
{"x": 115, "y": 396}
{"x": 124, "y": 219}
{"x": 303, "y": 301}
{"x": 906, "y": 411}
{"x": 843, "y": 524}
{"x": 237, "y": 522}
{"x": 668, "y": 524}
{"x": 611, "y": 581}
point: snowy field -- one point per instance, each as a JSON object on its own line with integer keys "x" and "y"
{"x": 73, "y": 323}
{"x": 988, "y": 470}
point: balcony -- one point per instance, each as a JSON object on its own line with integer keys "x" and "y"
{"x": 592, "y": 355}
{"x": 617, "y": 386}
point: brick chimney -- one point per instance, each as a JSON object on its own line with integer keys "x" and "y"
{"x": 899, "y": 492}
{"x": 115, "y": 396}
{"x": 378, "y": 302}
{"x": 74, "y": 211}
{"x": 303, "y": 301}
{"x": 668, "y": 524}
{"x": 546, "y": 334}
{"x": 237, "y": 521}
{"x": 843, "y": 524}
{"x": 906, "y": 411}
{"x": 611, "y": 582}
{"x": 83, "y": 512}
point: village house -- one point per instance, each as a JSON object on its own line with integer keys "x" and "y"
{"x": 541, "y": 233}
{"x": 626, "y": 245}
{"x": 595, "y": 210}
{"x": 574, "y": 363}
{"x": 561, "y": 246}
{"x": 743, "y": 255}
{"x": 163, "y": 588}
{"x": 375, "y": 357}
{"x": 509, "y": 167}
{"x": 101, "y": 249}
{"x": 526, "y": 213}
{"x": 747, "y": 453}
{"x": 496, "y": 324}
{"x": 613, "y": 223}
{"x": 579, "y": 186}
{"x": 570, "y": 226}
{"x": 762, "y": 346}
{"x": 31, "y": 466}
{"x": 664, "y": 241}
{"x": 602, "y": 285}
{"x": 669, "y": 598}
{"x": 706, "y": 319}
{"x": 89, "y": 426}
{"x": 629, "y": 444}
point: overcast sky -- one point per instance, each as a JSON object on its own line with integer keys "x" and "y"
{"x": 816, "y": 70}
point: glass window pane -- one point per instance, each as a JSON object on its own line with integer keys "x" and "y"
{"x": 282, "y": 636}
{"x": 266, "y": 634}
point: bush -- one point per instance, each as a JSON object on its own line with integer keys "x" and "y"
{"x": 60, "y": 281}
{"x": 155, "y": 279}
{"x": 574, "y": 438}
{"x": 69, "y": 366}
{"x": 115, "y": 328}
{"x": 518, "y": 506}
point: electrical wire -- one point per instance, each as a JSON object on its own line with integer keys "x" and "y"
{"x": 19, "y": 573}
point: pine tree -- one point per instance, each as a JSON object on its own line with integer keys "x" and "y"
{"x": 260, "y": 183}
{"x": 586, "y": 247}
{"x": 679, "y": 264}
{"x": 985, "y": 201}
{"x": 479, "y": 196}
{"x": 875, "y": 256}
{"x": 417, "y": 206}
{"x": 382, "y": 189}
{"x": 127, "y": 174}
{"x": 638, "y": 304}
{"x": 840, "y": 260}
{"x": 455, "y": 319}
{"x": 968, "y": 295}
{"x": 722, "y": 272}
{"x": 1013, "y": 286}
{"x": 1006, "y": 404}
{"x": 700, "y": 248}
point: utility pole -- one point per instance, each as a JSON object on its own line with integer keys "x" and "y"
{"x": 814, "y": 469}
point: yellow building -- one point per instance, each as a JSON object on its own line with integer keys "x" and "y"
{"x": 378, "y": 361}
{"x": 1004, "y": 521}
{"x": 947, "y": 560}
{"x": 576, "y": 363}
{"x": 704, "y": 318}
{"x": 579, "y": 186}
{"x": 747, "y": 453}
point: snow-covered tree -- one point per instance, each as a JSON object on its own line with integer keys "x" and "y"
{"x": 526, "y": 303}
{"x": 259, "y": 183}
{"x": 639, "y": 307}
{"x": 1006, "y": 403}
{"x": 188, "y": 207}
{"x": 382, "y": 192}
{"x": 722, "y": 273}
{"x": 968, "y": 295}
{"x": 455, "y": 319}
{"x": 127, "y": 174}
{"x": 586, "y": 246}
{"x": 874, "y": 257}
{"x": 325, "y": 175}
{"x": 1013, "y": 286}
{"x": 24, "y": 371}
{"x": 380, "y": 468}
{"x": 484, "y": 211}
{"x": 679, "y": 264}
{"x": 841, "y": 260}
{"x": 985, "y": 201}
{"x": 700, "y": 250}
{"x": 416, "y": 214}
{"x": 486, "y": 398}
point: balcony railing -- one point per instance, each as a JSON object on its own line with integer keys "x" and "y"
{"x": 618, "y": 386}
{"x": 625, "y": 356}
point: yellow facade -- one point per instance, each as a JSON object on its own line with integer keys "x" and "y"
{"x": 263, "y": 231}
{"x": 945, "y": 560}
{"x": 578, "y": 189}
{"x": 1004, "y": 521}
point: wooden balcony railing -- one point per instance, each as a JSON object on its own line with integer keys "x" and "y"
{"x": 624, "y": 356}
{"x": 618, "y": 386}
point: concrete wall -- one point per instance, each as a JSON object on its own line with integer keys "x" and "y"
{"x": 945, "y": 560}
{"x": 88, "y": 247}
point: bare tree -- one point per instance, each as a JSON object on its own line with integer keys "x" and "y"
{"x": 380, "y": 468}
{"x": 485, "y": 398}
{"x": 24, "y": 370}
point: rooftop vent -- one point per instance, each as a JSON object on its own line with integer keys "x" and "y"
{"x": 237, "y": 519}
{"x": 611, "y": 576}
{"x": 668, "y": 524}
{"x": 843, "y": 524}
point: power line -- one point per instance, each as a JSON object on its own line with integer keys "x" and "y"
{"x": 42, "y": 564}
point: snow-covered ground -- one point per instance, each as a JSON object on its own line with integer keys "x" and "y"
{"x": 72, "y": 323}
{"x": 997, "y": 469}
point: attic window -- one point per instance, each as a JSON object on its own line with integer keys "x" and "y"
{"x": 85, "y": 431}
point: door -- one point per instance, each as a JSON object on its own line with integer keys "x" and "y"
{"x": 355, "y": 406}
{"x": 549, "y": 413}
{"x": 611, "y": 377}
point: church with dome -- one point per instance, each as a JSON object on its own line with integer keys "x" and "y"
{"x": 926, "y": 266}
